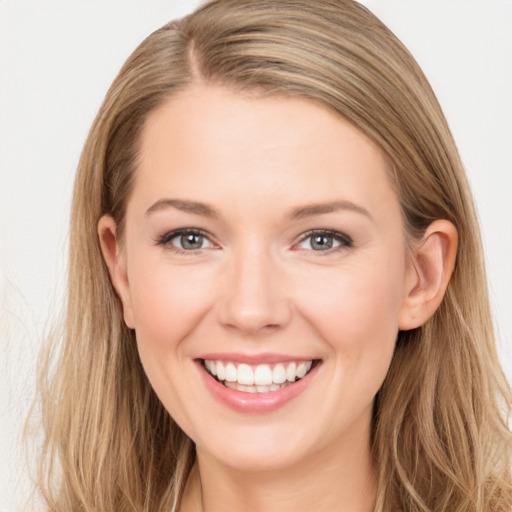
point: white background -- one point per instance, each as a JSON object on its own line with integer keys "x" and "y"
{"x": 57, "y": 59}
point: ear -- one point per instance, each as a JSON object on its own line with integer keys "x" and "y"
{"x": 115, "y": 259}
{"x": 430, "y": 268}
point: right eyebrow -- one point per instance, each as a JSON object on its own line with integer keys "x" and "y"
{"x": 195, "y": 207}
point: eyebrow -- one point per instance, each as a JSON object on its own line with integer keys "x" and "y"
{"x": 194, "y": 207}
{"x": 205, "y": 210}
{"x": 321, "y": 208}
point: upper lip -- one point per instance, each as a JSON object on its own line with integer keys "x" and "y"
{"x": 254, "y": 359}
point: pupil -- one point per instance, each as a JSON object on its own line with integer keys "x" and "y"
{"x": 321, "y": 242}
{"x": 191, "y": 241}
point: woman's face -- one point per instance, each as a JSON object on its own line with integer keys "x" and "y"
{"x": 263, "y": 240}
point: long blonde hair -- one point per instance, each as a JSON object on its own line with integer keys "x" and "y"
{"x": 439, "y": 433}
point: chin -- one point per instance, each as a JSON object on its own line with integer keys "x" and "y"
{"x": 261, "y": 449}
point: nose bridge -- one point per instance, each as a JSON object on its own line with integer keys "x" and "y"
{"x": 255, "y": 298}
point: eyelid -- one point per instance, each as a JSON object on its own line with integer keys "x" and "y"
{"x": 169, "y": 235}
{"x": 344, "y": 239}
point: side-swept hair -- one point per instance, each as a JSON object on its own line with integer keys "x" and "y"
{"x": 439, "y": 430}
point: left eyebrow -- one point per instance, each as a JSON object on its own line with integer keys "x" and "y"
{"x": 321, "y": 208}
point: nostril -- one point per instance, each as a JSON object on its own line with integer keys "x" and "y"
{"x": 253, "y": 298}
{"x": 255, "y": 316}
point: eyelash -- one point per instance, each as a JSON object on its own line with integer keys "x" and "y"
{"x": 344, "y": 240}
{"x": 166, "y": 238}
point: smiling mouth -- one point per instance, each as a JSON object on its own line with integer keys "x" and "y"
{"x": 261, "y": 378}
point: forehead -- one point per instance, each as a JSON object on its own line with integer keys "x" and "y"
{"x": 210, "y": 141}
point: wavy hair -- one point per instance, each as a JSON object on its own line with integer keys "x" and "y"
{"x": 439, "y": 430}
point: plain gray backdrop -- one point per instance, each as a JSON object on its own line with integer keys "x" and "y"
{"x": 57, "y": 59}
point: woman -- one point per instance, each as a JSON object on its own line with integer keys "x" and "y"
{"x": 272, "y": 248}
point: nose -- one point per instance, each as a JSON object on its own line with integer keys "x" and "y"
{"x": 254, "y": 299}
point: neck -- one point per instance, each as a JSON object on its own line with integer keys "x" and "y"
{"x": 335, "y": 478}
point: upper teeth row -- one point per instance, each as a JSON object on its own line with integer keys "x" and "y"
{"x": 259, "y": 375}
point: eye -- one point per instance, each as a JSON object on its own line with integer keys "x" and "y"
{"x": 323, "y": 241}
{"x": 185, "y": 240}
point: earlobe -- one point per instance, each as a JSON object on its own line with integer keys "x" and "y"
{"x": 116, "y": 264}
{"x": 431, "y": 266}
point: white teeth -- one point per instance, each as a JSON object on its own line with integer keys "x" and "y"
{"x": 303, "y": 368}
{"x": 279, "y": 374}
{"x": 245, "y": 375}
{"x": 231, "y": 373}
{"x": 290, "y": 372}
{"x": 260, "y": 378}
{"x": 263, "y": 375}
{"x": 254, "y": 389}
{"x": 221, "y": 372}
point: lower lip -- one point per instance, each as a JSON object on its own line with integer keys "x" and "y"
{"x": 256, "y": 403}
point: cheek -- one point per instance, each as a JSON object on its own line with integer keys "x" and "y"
{"x": 355, "y": 310}
{"x": 357, "y": 297}
{"x": 168, "y": 302}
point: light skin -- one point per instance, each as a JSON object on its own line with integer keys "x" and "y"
{"x": 300, "y": 250}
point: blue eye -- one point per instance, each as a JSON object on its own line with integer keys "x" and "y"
{"x": 186, "y": 240}
{"x": 323, "y": 241}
